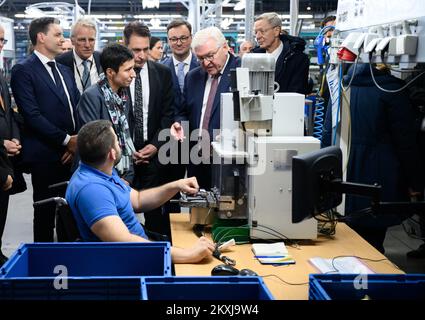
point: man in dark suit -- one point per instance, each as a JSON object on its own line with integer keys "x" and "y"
{"x": 291, "y": 62}
{"x": 46, "y": 96}
{"x": 151, "y": 111}
{"x": 181, "y": 61}
{"x": 202, "y": 90}
{"x": 83, "y": 60}
{"x": 9, "y": 139}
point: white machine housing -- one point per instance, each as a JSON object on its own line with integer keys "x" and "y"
{"x": 268, "y": 134}
{"x": 270, "y": 201}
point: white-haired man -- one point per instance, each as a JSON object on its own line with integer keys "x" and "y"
{"x": 83, "y": 60}
{"x": 201, "y": 94}
{"x": 291, "y": 62}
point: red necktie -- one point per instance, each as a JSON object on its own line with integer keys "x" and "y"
{"x": 210, "y": 102}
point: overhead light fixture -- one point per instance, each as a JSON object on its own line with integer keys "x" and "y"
{"x": 308, "y": 8}
{"x": 225, "y": 23}
{"x": 150, "y": 4}
{"x": 240, "y": 5}
{"x": 300, "y": 16}
{"x": 34, "y": 12}
{"x": 155, "y": 23}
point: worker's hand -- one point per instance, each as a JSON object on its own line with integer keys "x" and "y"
{"x": 177, "y": 131}
{"x": 72, "y": 144}
{"x": 143, "y": 155}
{"x": 414, "y": 195}
{"x": 12, "y": 147}
{"x": 67, "y": 157}
{"x": 8, "y": 184}
{"x": 202, "y": 249}
{"x": 188, "y": 185}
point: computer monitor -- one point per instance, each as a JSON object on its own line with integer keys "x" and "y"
{"x": 311, "y": 176}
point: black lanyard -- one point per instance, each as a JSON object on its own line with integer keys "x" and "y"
{"x": 79, "y": 74}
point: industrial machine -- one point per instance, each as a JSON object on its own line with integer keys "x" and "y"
{"x": 261, "y": 131}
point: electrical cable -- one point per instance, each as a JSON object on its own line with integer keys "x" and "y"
{"x": 227, "y": 231}
{"x": 319, "y": 117}
{"x": 290, "y": 242}
{"x": 361, "y": 258}
{"x": 392, "y": 91}
{"x": 286, "y": 282}
{"x": 328, "y": 225}
{"x": 352, "y": 76}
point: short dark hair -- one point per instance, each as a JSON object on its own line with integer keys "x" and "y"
{"x": 153, "y": 42}
{"x": 137, "y": 28}
{"x": 40, "y": 25}
{"x": 94, "y": 141}
{"x": 114, "y": 55}
{"x": 326, "y": 20}
{"x": 177, "y": 23}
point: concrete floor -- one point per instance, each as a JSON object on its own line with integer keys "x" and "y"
{"x": 19, "y": 230}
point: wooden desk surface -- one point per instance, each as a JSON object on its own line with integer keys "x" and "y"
{"x": 345, "y": 242}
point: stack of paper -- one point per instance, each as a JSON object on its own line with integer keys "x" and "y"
{"x": 340, "y": 265}
{"x": 272, "y": 253}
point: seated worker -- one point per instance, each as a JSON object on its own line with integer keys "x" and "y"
{"x": 103, "y": 205}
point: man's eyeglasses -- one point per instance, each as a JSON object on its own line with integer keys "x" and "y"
{"x": 262, "y": 32}
{"x": 3, "y": 40}
{"x": 209, "y": 57}
{"x": 183, "y": 39}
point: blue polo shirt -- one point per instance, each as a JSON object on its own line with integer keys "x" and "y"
{"x": 93, "y": 195}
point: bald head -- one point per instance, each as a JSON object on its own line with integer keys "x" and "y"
{"x": 245, "y": 47}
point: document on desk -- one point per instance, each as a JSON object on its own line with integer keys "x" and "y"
{"x": 272, "y": 253}
{"x": 350, "y": 265}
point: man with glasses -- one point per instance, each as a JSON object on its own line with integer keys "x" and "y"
{"x": 201, "y": 96}
{"x": 291, "y": 62}
{"x": 83, "y": 60}
{"x": 181, "y": 61}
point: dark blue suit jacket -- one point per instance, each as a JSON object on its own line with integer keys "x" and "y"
{"x": 46, "y": 113}
{"x": 178, "y": 97}
{"x": 193, "y": 96}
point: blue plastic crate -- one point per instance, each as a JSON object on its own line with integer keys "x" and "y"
{"x": 88, "y": 259}
{"x": 128, "y": 288}
{"x": 205, "y": 288}
{"x": 370, "y": 286}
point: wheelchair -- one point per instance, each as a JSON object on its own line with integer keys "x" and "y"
{"x": 65, "y": 225}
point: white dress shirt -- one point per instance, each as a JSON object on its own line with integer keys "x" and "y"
{"x": 186, "y": 62}
{"x": 144, "y": 74}
{"x": 44, "y": 61}
{"x": 276, "y": 53}
{"x": 78, "y": 74}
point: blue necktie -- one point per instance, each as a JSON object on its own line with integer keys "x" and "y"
{"x": 180, "y": 75}
{"x": 86, "y": 75}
